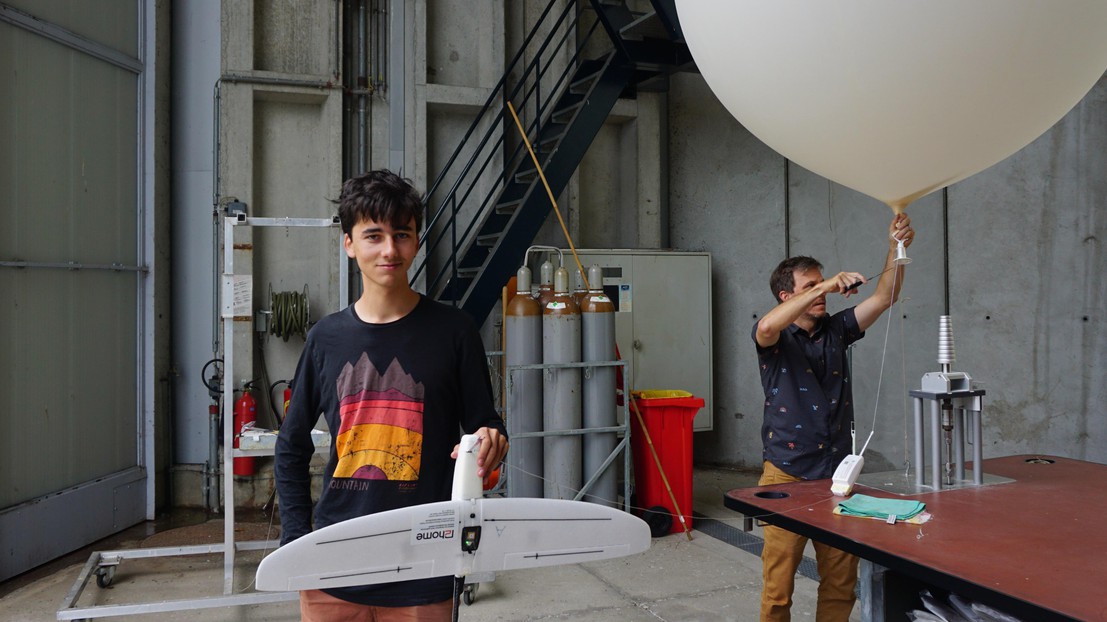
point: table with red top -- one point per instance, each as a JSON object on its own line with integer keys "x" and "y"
{"x": 1033, "y": 547}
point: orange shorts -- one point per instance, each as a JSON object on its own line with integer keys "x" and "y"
{"x": 318, "y": 606}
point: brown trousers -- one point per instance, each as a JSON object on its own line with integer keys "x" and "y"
{"x": 781, "y": 557}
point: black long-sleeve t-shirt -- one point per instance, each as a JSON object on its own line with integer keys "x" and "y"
{"x": 395, "y": 398}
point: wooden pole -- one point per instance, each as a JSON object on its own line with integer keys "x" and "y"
{"x": 549, "y": 192}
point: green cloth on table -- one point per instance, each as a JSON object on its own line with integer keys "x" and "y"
{"x": 873, "y": 507}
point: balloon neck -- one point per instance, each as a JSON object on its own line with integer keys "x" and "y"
{"x": 898, "y": 208}
{"x": 901, "y": 258}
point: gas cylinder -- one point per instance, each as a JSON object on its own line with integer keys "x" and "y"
{"x": 245, "y": 414}
{"x": 523, "y": 346}
{"x": 561, "y": 391}
{"x": 579, "y": 290}
{"x": 545, "y": 283}
{"x": 597, "y": 314}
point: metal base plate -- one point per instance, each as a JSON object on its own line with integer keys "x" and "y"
{"x": 903, "y": 483}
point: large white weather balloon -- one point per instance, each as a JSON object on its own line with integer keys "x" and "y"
{"x": 897, "y": 98}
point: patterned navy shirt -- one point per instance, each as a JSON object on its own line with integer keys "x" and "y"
{"x": 808, "y": 399}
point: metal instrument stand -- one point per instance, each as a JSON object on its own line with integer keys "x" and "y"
{"x": 952, "y": 395}
{"x": 960, "y": 403}
{"x": 102, "y": 564}
{"x": 228, "y": 315}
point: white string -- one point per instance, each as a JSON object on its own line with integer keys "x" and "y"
{"x": 829, "y": 497}
{"x": 264, "y": 550}
{"x": 903, "y": 365}
{"x": 883, "y": 355}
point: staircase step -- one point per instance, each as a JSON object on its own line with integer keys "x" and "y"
{"x": 646, "y": 26}
{"x": 526, "y": 177}
{"x": 509, "y": 207}
{"x": 582, "y": 84}
{"x": 489, "y": 239}
{"x": 565, "y": 115}
{"x": 551, "y": 140}
{"x": 454, "y": 291}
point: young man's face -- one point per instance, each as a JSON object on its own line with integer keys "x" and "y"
{"x": 804, "y": 281}
{"x": 383, "y": 253}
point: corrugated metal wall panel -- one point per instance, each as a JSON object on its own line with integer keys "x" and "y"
{"x": 70, "y": 270}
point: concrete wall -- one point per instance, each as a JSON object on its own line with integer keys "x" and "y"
{"x": 259, "y": 121}
{"x": 1012, "y": 253}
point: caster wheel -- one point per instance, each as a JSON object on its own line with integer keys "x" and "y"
{"x": 470, "y": 594}
{"x": 105, "y": 575}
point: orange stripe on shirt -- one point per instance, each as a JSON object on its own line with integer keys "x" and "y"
{"x": 407, "y": 415}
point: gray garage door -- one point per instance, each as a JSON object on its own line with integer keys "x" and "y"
{"x": 71, "y": 278}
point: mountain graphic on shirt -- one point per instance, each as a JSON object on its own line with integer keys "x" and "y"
{"x": 381, "y": 431}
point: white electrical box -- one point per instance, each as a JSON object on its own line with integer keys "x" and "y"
{"x": 662, "y": 319}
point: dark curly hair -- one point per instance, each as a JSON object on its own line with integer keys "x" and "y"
{"x": 380, "y": 196}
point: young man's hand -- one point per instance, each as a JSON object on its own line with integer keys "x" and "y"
{"x": 490, "y": 452}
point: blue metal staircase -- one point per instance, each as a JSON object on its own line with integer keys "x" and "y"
{"x": 488, "y": 203}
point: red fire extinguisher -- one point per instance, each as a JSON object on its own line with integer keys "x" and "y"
{"x": 244, "y": 414}
{"x": 279, "y": 412}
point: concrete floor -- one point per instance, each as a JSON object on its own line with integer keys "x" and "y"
{"x": 715, "y": 576}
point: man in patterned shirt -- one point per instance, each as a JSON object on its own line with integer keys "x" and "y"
{"x": 809, "y": 411}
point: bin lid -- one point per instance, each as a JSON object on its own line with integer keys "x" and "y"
{"x": 665, "y": 398}
{"x": 653, "y": 394}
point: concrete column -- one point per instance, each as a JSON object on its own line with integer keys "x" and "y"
{"x": 653, "y": 179}
{"x": 397, "y": 82}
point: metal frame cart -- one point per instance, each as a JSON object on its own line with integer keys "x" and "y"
{"x": 102, "y": 564}
{"x": 473, "y": 581}
{"x": 624, "y": 428}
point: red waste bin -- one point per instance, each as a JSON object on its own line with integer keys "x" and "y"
{"x": 668, "y": 419}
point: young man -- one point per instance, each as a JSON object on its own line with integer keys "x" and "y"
{"x": 396, "y": 376}
{"x": 809, "y": 409}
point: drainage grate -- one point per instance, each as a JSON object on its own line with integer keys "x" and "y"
{"x": 746, "y": 541}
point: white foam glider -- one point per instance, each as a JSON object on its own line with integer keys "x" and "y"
{"x": 466, "y": 535}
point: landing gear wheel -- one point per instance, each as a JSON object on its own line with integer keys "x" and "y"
{"x": 105, "y": 575}
{"x": 470, "y": 593}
